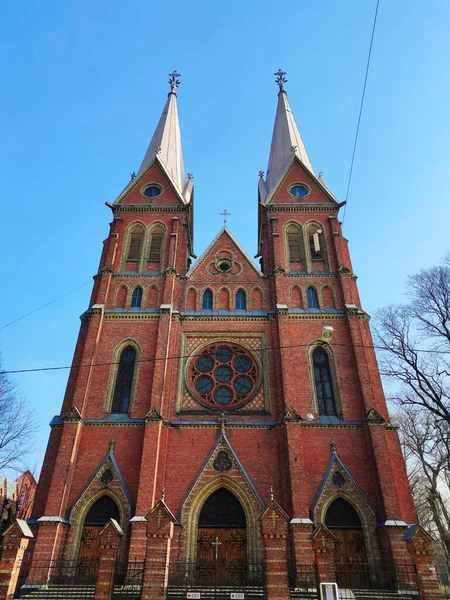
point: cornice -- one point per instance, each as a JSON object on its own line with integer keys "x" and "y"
{"x": 131, "y": 316}
{"x": 124, "y": 274}
{"x": 235, "y": 319}
{"x": 312, "y": 207}
{"x": 131, "y": 208}
{"x": 311, "y": 274}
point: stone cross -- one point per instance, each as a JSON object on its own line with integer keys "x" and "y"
{"x": 271, "y": 493}
{"x": 222, "y": 420}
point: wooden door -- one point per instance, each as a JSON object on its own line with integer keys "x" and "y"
{"x": 88, "y": 553}
{"x": 349, "y": 546}
{"x": 222, "y": 555}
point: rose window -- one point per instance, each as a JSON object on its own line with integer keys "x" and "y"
{"x": 223, "y": 376}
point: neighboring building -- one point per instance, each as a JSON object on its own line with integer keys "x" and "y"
{"x": 16, "y": 499}
{"x": 230, "y": 417}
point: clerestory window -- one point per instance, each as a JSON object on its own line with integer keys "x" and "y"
{"x": 124, "y": 380}
{"x": 323, "y": 382}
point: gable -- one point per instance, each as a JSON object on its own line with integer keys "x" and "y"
{"x": 297, "y": 173}
{"x": 154, "y": 174}
{"x": 224, "y": 259}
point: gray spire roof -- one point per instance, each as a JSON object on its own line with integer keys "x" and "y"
{"x": 286, "y": 143}
{"x": 166, "y": 145}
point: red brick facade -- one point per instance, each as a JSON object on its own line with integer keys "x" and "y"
{"x": 169, "y": 440}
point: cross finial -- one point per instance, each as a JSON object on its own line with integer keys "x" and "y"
{"x": 225, "y": 214}
{"x": 294, "y": 149}
{"x": 320, "y": 174}
{"x": 174, "y": 82}
{"x": 222, "y": 420}
{"x": 261, "y": 174}
{"x": 333, "y": 447}
{"x": 271, "y": 493}
{"x": 132, "y": 175}
{"x": 190, "y": 176}
{"x": 163, "y": 494}
{"x": 280, "y": 79}
{"x": 112, "y": 444}
{"x": 158, "y": 150}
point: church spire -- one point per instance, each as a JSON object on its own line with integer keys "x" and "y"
{"x": 166, "y": 141}
{"x": 286, "y": 141}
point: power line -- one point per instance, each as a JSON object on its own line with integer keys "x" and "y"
{"x": 44, "y": 305}
{"x": 181, "y": 356}
{"x": 360, "y": 112}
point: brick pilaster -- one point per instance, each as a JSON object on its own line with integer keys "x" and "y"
{"x": 109, "y": 540}
{"x": 160, "y": 523}
{"x": 419, "y": 545}
{"x": 274, "y": 526}
{"x": 15, "y": 542}
{"x": 323, "y": 546}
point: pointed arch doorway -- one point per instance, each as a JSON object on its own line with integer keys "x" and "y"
{"x": 97, "y": 517}
{"x": 222, "y": 539}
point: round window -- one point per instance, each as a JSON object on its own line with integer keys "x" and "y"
{"x": 223, "y": 376}
{"x": 152, "y": 191}
{"x": 299, "y": 190}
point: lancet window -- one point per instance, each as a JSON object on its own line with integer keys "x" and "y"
{"x": 312, "y": 297}
{"x": 136, "y": 298}
{"x": 295, "y": 246}
{"x": 316, "y": 247}
{"x": 323, "y": 383}
{"x": 124, "y": 380}
{"x": 241, "y": 300}
{"x": 156, "y": 244}
{"x": 207, "y": 300}
{"x": 135, "y": 245}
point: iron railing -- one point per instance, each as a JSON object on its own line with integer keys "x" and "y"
{"x": 73, "y": 578}
{"x": 128, "y": 577}
{"x": 212, "y": 579}
{"x": 397, "y": 580}
{"x": 303, "y": 582}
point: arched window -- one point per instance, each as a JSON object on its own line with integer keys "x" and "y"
{"x": 207, "y": 300}
{"x": 154, "y": 254}
{"x": 136, "y": 298}
{"x": 349, "y": 547}
{"x": 241, "y": 300}
{"x": 316, "y": 248}
{"x": 102, "y": 511}
{"x": 313, "y": 298}
{"x": 135, "y": 246}
{"x": 124, "y": 380}
{"x": 294, "y": 241}
{"x": 323, "y": 382}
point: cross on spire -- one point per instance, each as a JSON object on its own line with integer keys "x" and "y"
{"x": 225, "y": 214}
{"x": 280, "y": 79}
{"x": 222, "y": 420}
{"x": 174, "y": 82}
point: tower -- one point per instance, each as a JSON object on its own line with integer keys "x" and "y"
{"x": 229, "y": 418}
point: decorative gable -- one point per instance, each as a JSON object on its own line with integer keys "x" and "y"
{"x": 224, "y": 257}
{"x": 154, "y": 174}
{"x": 296, "y": 173}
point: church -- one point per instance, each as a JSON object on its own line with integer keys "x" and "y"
{"x": 224, "y": 420}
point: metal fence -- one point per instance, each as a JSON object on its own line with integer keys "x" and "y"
{"x": 128, "y": 577}
{"x": 443, "y": 575}
{"x": 303, "y": 582}
{"x": 66, "y": 578}
{"x": 215, "y": 580}
{"x": 377, "y": 581}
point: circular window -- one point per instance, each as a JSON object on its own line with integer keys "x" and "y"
{"x": 299, "y": 190}
{"x": 152, "y": 191}
{"x": 223, "y": 376}
{"x": 224, "y": 265}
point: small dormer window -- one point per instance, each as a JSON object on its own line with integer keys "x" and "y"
{"x": 151, "y": 191}
{"x": 299, "y": 190}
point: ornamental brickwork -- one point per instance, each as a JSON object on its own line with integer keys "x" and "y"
{"x": 223, "y": 375}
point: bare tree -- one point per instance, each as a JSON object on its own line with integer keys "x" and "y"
{"x": 18, "y": 425}
{"x": 425, "y": 444}
{"x": 415, "y": 343}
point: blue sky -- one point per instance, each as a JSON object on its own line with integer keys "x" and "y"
{"x": 84, "y": 84}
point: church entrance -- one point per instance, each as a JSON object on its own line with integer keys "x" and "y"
{"x": 222, "y": 540}
{"x": 350, "y": 557}
{"x": 98, "y": 516}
